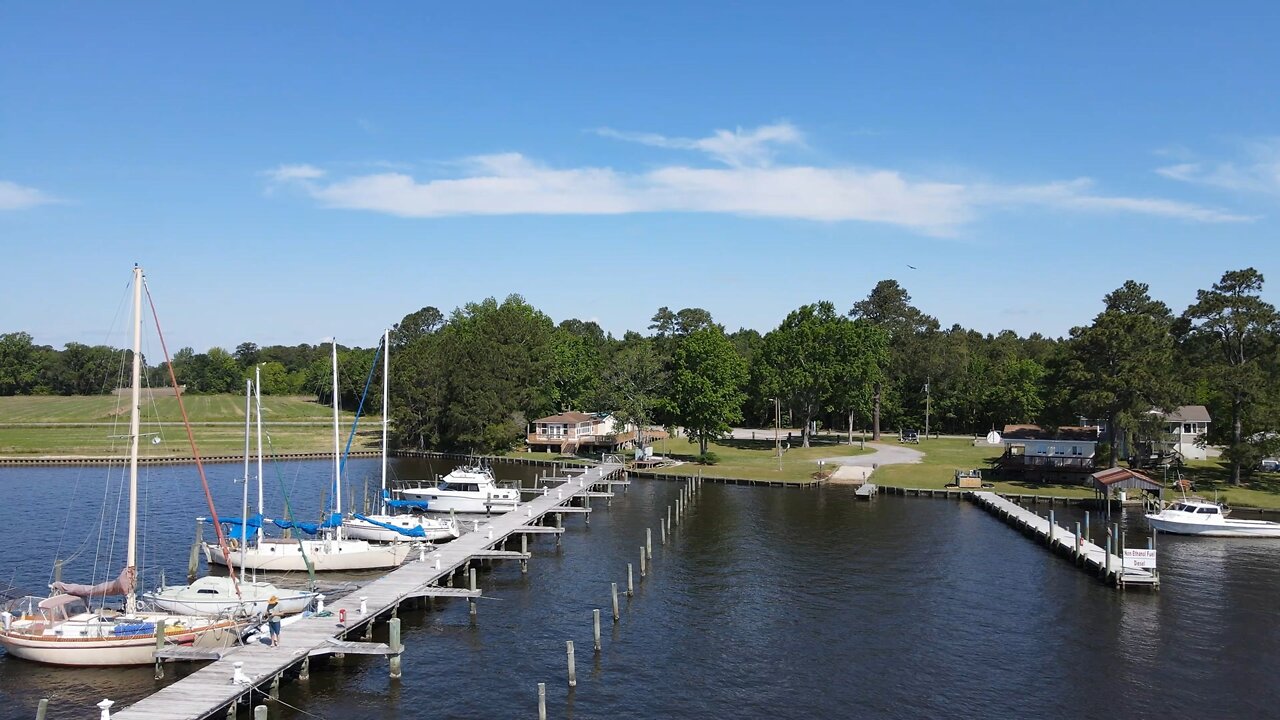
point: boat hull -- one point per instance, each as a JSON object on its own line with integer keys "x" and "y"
{"x": 325, "y": 555}
{"x": 100, "y": 651}
{"x": 446, "y": 503}
{"x": 435, "y": 530}
{"x": 288, "y": 604}
{"x": 1230, "y": 528}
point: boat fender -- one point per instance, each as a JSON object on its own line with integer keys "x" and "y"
{"x": 342, "y": 616}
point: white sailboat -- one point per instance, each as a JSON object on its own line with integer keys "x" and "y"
{"x": 217, "y": 595}
{"x": 385, "y": 526}
{"x": 62, "y": 630}
{"x": 331, "y": 552}
{"x": 467, "y": 490}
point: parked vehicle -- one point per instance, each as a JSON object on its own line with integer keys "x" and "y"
{"x": 909, "y": 436}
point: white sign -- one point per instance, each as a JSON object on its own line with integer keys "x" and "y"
{"x": 1136, "y": 558}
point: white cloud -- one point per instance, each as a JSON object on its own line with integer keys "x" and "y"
{"x": 736, "y": 148}
{"x": 290, "y": 173}
{"x": 19, "y": 197}
{"x": 1256, "y": 171}
{"x": 750, "y": 185}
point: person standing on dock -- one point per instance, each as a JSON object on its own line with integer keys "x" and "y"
{"x": 273, "y": 619}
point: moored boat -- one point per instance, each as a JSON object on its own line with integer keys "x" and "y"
{"x": 1194, "y": 516}
{"x": 467, "y": 490}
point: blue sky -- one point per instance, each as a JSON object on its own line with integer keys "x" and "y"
{"x": 287, "y": 171}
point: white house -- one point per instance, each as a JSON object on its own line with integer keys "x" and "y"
{"x": 1184, "y": 430}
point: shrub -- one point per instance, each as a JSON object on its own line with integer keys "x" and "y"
{"x": 709, "y": 458}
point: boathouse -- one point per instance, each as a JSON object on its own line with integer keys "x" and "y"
{"x": 1119, "y": 482}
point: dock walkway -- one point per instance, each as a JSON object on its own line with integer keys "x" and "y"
{"x": 1108, "y": 566}
{"x": 241, "y": 670}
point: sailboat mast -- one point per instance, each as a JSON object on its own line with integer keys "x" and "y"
{"x": 337, "y": 450}
{"x": 244, "y": 505}
{"x": 257, "y": 393}
{"x": 135, "y": 406}
{"x": 386, "y": 402}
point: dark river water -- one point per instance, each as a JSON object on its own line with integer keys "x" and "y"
{"x": 769, "y": 603}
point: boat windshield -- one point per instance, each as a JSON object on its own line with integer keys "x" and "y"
{"x": 53, "y": 609}
{"x": 1208, "y": 511}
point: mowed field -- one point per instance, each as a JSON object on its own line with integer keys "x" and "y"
{"x": 92, "y": 425}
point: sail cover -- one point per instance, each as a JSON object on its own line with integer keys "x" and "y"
{"x": 122, "y": 585}
{"x": 415, "y": 531}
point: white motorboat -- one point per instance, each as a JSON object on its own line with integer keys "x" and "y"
{"x": 63, "y": 630}
{"x": 385, "y": 526}
{"x": 1194, "y": 516}
{"x": 217, "y": 595}
{"x": 467, "y": 490}
{"x": 333, "y": 551}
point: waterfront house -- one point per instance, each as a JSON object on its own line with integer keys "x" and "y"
{"x": 1185, "y": 429}
{"x": 572, "y": 431}
{"x": 1032, "y": 452}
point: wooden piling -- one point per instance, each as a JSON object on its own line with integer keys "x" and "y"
{"x": 662, "y": 531}
{"x": 42, "y": 709}
{"x": 642, "y": 562}
{"x": 472, "y": 572}
{"x": 304, "y": 670}
{"x": 573, "y": 667}
{"x": 260, "y": 712}
{"x": 648, "y": 542}
{"x": 393, "y": 629}
{"x": 613, "y": 591}
{"x": 595, "y": 627}
{"x": 524, "y": 550}
{"x": 631, "y": 587}
{"x": 1052, "y": 526}
{"x": 542, "y": 701}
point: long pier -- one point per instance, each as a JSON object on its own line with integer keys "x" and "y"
{"x": 1085, "y": 554}
{"x": 243, "y": 671}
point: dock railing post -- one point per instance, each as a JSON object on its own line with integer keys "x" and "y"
{"x": 542, "y": 701}
{"x": 573, "y": 667}
{"x": 260, "y": 712}
{"x": 393, "y": 629}
{"x": 613, "y": 591}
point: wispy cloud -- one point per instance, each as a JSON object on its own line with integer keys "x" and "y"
{"x": 1257, "y": 170}
{"x": 290, "y": 173}
{"x": 747, "y": 183}
{"x": 735, "y": 148}
{"x": 19, "y": 197}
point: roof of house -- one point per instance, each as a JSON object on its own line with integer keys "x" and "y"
{"x": 572, "y": 416}
{"x": 1118, "y": 477}
{"x": 1188, "y": 413}
{"x": 1035, "y": 432}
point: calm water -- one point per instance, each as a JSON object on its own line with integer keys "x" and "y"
{"x": 769, "y": 604}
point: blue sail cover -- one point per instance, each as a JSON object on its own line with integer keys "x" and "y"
{"x": 415, "y": 531}
{"x": 414, "y": 504}
{"x": 334, "y": 520}
{"x": 254, "y": 522}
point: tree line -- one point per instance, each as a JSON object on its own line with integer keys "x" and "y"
{"x": 472, "y": 380}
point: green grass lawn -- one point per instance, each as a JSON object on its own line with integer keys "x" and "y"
{"x": 753, "y": 459}
{"x": 53, "y": 425}
{"x": 1212, "y": 477}
{"x": 946, "y": 455}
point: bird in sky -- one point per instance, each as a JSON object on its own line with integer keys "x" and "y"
{"x": 913, "y": 267}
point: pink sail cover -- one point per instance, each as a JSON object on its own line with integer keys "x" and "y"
{"x": 122, "y": 585}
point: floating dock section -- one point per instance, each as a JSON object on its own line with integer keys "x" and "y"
{"x": 251, "y": 672}
{"x": 1085, "y": 554}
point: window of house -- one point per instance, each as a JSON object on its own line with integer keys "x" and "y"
{"x": 1188, "y": 428}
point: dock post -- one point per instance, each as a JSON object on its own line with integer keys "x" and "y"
{"x": 159, "y": 647}
{"x": 668, "y": 519}
{"x": 542, "y": 701}
{"x": 472, "y": 572}
{"x": 42, "y": 709}
{"x": 595, "y": 626}
{"x": 642, "y": 562}
{"x": 1076, "y": 541}
{"x": 260, "y": 712}
{"x": 613, "y": 590}
{"x": 1088, "y": 534}
{"x": 393, "y": 628}
{"x": 648, "y": 543}
{"x": 586, "y": 503}
{"x": 193, "y": 563}
{"x": 105, "y": 707}
{"x": 304, "y": 671}
{"x": 662, "y": 531}
{"x": 1107, "y": 566}
{"x": 631, "y": 587}
{"x": 559, "y": 525}
{"x": 275, "y": 687}
{"x": 524, "y": 550}
{"x": 1052, "y": 526}
{"x": 573, "y": 666}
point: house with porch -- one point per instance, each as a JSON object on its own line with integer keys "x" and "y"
{"x": 1032, "y": 452}
{"x": 1185, "y": 430}
{"x": 570, "y": 432}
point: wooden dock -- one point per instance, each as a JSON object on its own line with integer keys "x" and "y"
{"x": 244, "y": 671}
{"x": 1085, "y": 554}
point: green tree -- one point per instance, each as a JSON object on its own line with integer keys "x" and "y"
{"x": 575, "y": 372}
{"x": 634, "y": 380}
{"x": 706, "y": 385}
{"x": 247, "y": 354}
{"x": 1232, "y": 319}
{"x": 86, "y": 370}
{"x": 19, "y": 366}
{"x": 859, "y": 353}
{"x": 415, "y": 325}
{"x": 1121, "y": 366}
{"x": 799, "y": 361}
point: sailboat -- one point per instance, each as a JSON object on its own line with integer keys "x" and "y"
{"x": 385, "y": 526}
{"x": 62, "y": 630}
{"x": 333, "y": 550}
{"x": 216, "y": 595}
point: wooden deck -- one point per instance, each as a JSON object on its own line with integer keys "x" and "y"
{"x": 211, "y": 690}
{"x": 1091, "y": 557}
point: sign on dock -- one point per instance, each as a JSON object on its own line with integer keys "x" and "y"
{"x": 1139, "y": 558}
